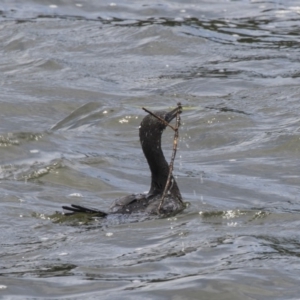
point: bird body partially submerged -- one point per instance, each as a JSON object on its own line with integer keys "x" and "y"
{"x": 150, "y": 133}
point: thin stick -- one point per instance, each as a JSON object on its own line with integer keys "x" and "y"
{"x": 159, "y": 118}
{"x": 171, "y": 166}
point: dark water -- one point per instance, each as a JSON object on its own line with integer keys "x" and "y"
{"x": 73, "y": 78}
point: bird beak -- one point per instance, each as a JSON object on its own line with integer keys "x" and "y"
{"x": 172, "y": 114}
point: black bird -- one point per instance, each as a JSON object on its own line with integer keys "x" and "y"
{"x": 150, "y": 132}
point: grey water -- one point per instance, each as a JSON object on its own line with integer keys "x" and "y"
{"x": 74, "y": 76}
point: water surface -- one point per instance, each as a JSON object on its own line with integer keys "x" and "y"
{"x": 73, "y": 79}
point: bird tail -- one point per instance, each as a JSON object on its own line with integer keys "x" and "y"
{"x": 73, "y": 209}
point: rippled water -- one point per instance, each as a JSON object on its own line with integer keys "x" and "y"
{"x": 74, "y": 76}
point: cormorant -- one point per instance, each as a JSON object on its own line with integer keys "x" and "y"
{"x": 150, "y": 132}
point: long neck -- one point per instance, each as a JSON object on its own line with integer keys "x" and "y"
{"x": 151, "y": 145}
